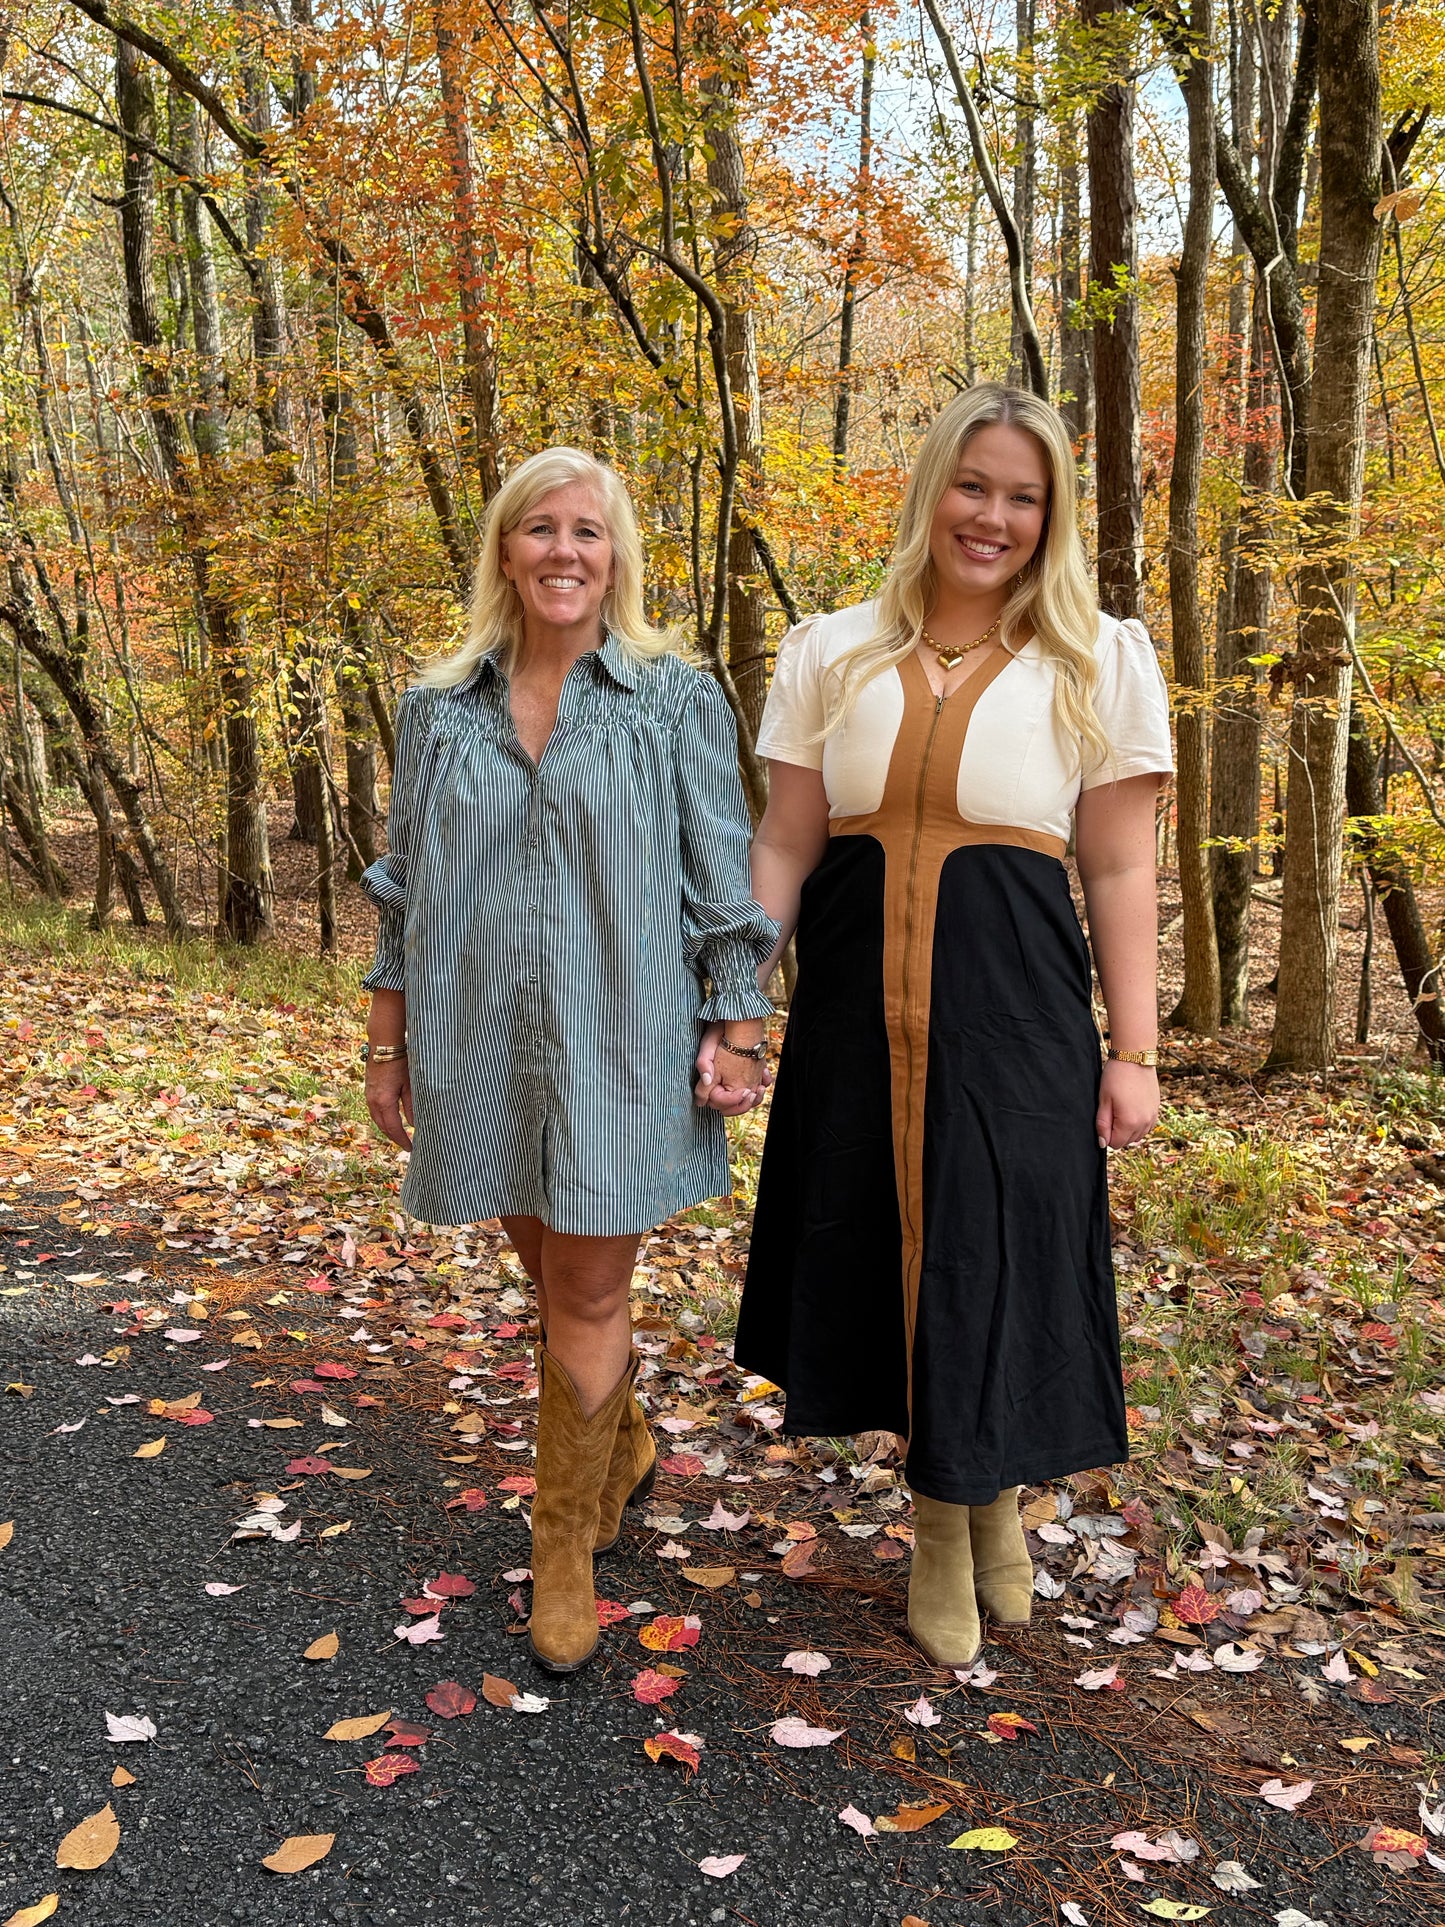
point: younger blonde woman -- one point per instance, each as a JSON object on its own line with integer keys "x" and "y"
{"x": 565, "y": 918}
{"x": 931, "y": 1247}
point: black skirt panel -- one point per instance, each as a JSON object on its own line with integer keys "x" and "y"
{"x": 1016, "y": 1372}
{"x": 821, "y": 1311}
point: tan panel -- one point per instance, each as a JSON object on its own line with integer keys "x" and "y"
{"x": 919, "y": 827}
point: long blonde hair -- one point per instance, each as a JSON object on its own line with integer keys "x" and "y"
{"x": 1053, "y": 595}
{"x": 495, "y": 611}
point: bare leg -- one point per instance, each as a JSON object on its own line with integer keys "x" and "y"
{"x": 589, "y": 1323}
{"x": 526, "y": 1236}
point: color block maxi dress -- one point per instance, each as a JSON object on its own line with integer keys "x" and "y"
{"x": 930, "y": 1251}
{"x": 560, "y": 930}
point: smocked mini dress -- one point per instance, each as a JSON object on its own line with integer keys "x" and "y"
{"x": 930, "y": 1250}
{"x": 561, "y": 930}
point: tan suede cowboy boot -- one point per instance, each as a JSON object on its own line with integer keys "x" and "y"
{"x": 633, "y": 1469}
{"x": 1003, "y": 1574}
{"x": 573, "y": 1455}
{"x": 942, "y": 1611}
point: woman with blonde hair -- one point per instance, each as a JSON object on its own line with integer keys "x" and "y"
{"x": 930, "y": 1252}
{"x": 565, "y": 919}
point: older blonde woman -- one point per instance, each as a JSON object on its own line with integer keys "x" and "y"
{"x": 565, "y": 918}
{"x": 931, "y": 1247}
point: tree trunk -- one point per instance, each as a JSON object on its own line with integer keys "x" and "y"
{"x": 1021, "y": 308}
{"x": 1025, "y": 171}
{"x": 1114, "y": 311}
{"x": 843, "y": 403}
{"x": 1390, "y": 875}
{"x": 1076, "y": 386}
{"x": 1198, "y": 1007}
{"x": 1349, "y": 140}
{"x": 471, "y": 256}
{"x": 1235, "y": 771}
{"x": 246, "y": 911}
{"x": 734, "y": 257}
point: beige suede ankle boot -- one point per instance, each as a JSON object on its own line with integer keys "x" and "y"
{"x": 942, "y": 1611}
{"x": 1003, "y": 1574}
{"x": 632, "y": 1471}
{"x": 573, "y": 1455}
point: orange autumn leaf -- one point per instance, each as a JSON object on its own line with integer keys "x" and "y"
{"x": 669, "y": 1634}
{"x": 302, "y": 1850}
{"x": 92, "y": 1842}
{"x": 1195, "y": 1607}
{"x": 672, "y": 1746}
{"x": 909, "y": 1819}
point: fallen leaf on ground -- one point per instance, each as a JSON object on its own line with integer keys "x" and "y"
{"x": 91, "y": 1843}
{"x": 218, "y": 1589}
{"x": 121, "y": 1778}
{"x": 1173, "y": 1910}
{"x": 32, "y": 1916}
{"x": 670, "y": 1634}
{"x": 1008, "y": 1726}
{"x": 308, "y": 1463}
{"x": 909, "y": 1819}
{"x": 921, "y": 1713}
{"x": 1395, "y": 1840}
{"x": 717, "y": 1866}
{"x": 360, "y": 1728}
{"x": 859, "y": 1822}
{"x": 7, "y": 1533}
{"x": 985, "y": 1840}
{"x": 674, "y": 1746}
{"x": 1102, "y": 1676}
{"x": 420, "y": 1630}
{"x": 450, "y": 1700}
{"x": 1359, "y": 1743}
{"x": 1195, "y": 1607}
{"x": 387, "y": 1768}
{"x": 796, "y": 1732}
{"x": 151, "y": 1450}
{"x": 530, "y": 1703}
{"x": 326, "y": 1647}
{"x": 806, "y": 1662}
{"x": 1232, "y": 1877}
{"x": 302, "y": 1850}
{"x": 712, "y": 1578}
{"x": 1238, "y": 1659}
{"x": 129, "y": 1726}
{"x": 449, "y": 1585}
{"x": 721, "y": 1520}
{"x": 407, "y": 1733}
{"x": 1072, "y": 1912}
{"x": 1280, "y": 1795}
{"x": 650, "y": 1687}
{"x": 498, "y": 1692}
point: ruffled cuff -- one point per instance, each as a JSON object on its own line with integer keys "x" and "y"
{"x": 388, "y": 970}
{"x": 732, "y": 972}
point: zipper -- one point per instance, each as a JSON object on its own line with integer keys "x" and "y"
{"x": 907, "y": 973}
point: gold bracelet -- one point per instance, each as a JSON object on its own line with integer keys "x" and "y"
{"x": 1149, "y": 1058}
{"x": 383, "y": 1053}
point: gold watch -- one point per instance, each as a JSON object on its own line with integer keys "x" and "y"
{"x": 1149, "y": 1058}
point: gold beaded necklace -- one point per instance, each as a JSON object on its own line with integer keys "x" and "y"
{"x": 950, "y": 655}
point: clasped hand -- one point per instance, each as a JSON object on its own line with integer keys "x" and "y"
{"x": 732, "y": 1085}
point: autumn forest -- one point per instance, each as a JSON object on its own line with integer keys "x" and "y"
{"x": 288, "y": 290}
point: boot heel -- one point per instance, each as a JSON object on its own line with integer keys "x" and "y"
{"x": 642, "y": 1491}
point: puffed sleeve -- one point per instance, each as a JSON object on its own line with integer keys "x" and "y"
{"x": 793, "y": 715}
{"x": 726, "y": 933}
{"x": 1132, "y": 704}
{"x": 385, "y": 881}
